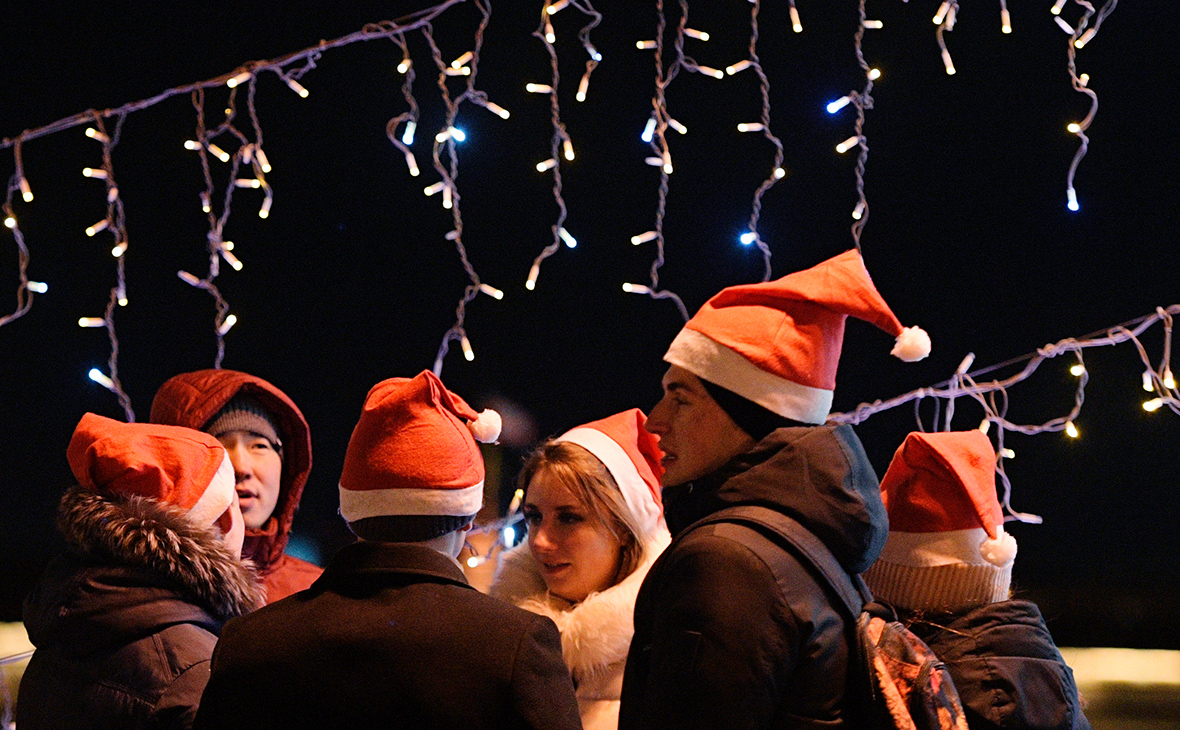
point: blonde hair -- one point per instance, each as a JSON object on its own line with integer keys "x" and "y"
{"x": 591, "y": 483}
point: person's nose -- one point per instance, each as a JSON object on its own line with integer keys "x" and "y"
{"x": 239, "y": 456}
{"x": 657, "y": 420}
{"x": 541, "y": 538}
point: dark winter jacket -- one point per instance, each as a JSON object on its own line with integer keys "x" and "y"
{"x": 125, "y": 622}
{"x": 191, "y": 400}
{"x": 724, "y": 640}
{"x": 390, "y": 636}
{"x": 1006, "y": 667}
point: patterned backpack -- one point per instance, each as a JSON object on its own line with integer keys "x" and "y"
{"x": 895, "y": 680}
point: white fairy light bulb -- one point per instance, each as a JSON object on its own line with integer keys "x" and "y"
{"x": 1007, "y": 453}
{"x": 1085, "y": 38}
{"x": 709, "y": 71}
{"x": 680, "y": 128}
{"x": 404, "y": 66}
{"x": 119, "y": 249}
{"x": 491, "y": 291}
{"x": 517, "y": 498}
{"x": 229, "y": 245}
{"x": 475, "y": 561}
{"x": 1057, "y": 6}
{"x": 229, "y": 322}
{"x": 509, "y": 535}
{"x": 1072, "y": 198}
{"x": 1169, "y": 381}
{"x": 547, "y": 164}
{"x": 848, "y": 144}
{"x": 190, "y": 144}
{"x": 92, "y": 322}
{"x": 412, "y": 164}
{"x": 205, "y": 206}
{"x": 859, "y": 211}
{"x": 1084, "y": 79}
{"x": 96, "y": 135}
{"x": 1077, "y": 369}
{"x": 96, "y": 173}
{"x": 452, "y": 235}
{"x": 838, "y": 104}
{"x": 750, "y": 127}
{"x": 985, "y": 425}
{"x": 100, "y": 226}
{"x": 99, "y": 377}
{"x": 538, "y": 88}
{"x": 796, "y": 25}
{"x": 667, "y": 160}
{"x": 643, "y": 238}
{"x": 779, "y": 173}
{"x": 1005, "y": 21}
{"x": 461, "y": 71}
{"x": 457, "y": 134}
{"x": 739, "y": 66}
{"x": 874, "y": 74}
{"x": 645, "y": 45}
{"x": 468, "y": 353}
{"x": 942, "y": 11}
{"x": 435, "y": 188}
{"x": 649, "y": 129}
{"x": 218, "y": 152}
{"x": 568, "y": 149}
{"x": 654, "y": 161}
{"x": 297, "y": 87}
{"x": 188, "y": 278}
{"x": 1073, "y": 127}
{"x": 700, "y": 35}
{"x": 112, "y": 193}
{"x": 25, "y": 191}
{"x": 748, "y": 237}
{"x": 874, "y": 24}
{"x": 265, "y": 163}
{"x": 9, "y": 221}
{"x": 948, "y": 63}
{"x": 1064, "y": 25}
{"x": 1148, "y": 385}
{"x": 239, "y": 79}
{"x": 264, "y": 209}
{"x": 1153, "y": 405}
{"x": 531, "y": 282}
{"x": 230, "y": 259}
{"x": 496, "y": 109}
{"x": 462, "y": 61}
{"x": 448, "y": 199}
{"x": 408, "y": 132}
{"x": 245, "y": 182}
{"x": 636, "y": 288}
{"x": 556, "y": 7}
{"x": 567, "y": 237}
{"x": 37, "y": 286}
{"x": 1071, "y": 430}
{"x": 583, "y": 86}
{"x": 550, "y": 36}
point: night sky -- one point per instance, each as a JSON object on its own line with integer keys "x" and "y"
{"x": 351, "y": 279}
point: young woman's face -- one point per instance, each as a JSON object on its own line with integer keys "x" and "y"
{"x": 576, "y": 552}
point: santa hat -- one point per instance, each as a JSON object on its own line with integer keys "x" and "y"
{"x": 632, "y": 456}
{"x": 947, "y": 549}
{"x": 413, "y": 454}
{"x": 177, "y": 466}
{"x": 777, "y": 343}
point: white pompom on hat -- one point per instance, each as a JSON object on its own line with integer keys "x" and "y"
{"x": 632, "y": 456}
{"x": 413, "y": 452}
{"x": 173, "y": 465}
{"x": 777, "y": 343}
{"x": 947, "y": 549}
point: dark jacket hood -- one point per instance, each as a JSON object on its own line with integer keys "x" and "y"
{"x": 131, "y": 564}
{"x": 817, "y": 475}
{"x": 192, "y": 399}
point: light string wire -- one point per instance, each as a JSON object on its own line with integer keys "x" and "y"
{"x": 862, "y": 101}
{"x": 992, "y": 396}
{"x": 450, "y": 172}
{"x": 385, "y": 29}
{"x": 945, "y": 20}
{"x": 659, "y": 146}
{"x": 1079, "y": 38}
{"x": 559, "y": 138}
{"x": 116, "y": 222}
{"x": 776, "y": 169}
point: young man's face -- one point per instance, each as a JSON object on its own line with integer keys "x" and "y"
{"x": 258, "y": 469}
{"x": 697, "y": 436}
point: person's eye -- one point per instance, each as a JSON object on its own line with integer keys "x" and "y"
{"x": 570, "y": 518}
{"x": 531, "y": 517}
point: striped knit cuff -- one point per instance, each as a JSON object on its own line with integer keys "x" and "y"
{"x": 942, "y": 588}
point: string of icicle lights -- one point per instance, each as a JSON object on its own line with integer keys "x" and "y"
{"x": 992, "y": 395}
{"x": 236, "y": 140}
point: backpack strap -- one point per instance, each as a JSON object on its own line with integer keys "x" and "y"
{"x": 851, "y": 589}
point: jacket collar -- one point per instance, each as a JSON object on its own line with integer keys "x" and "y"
{"x": 388, "y": 558}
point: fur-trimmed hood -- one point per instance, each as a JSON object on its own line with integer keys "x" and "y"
{"x": 596, "y": 633}
{"x": 151, "y": 545}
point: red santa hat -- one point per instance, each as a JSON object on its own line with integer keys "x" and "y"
{"x": 413, "y": 452}
{"x": 947, "y": 549}
{"x": 777, "y": 343}
{"x": 632, "y": 456}
{"x": 177, "y": 466}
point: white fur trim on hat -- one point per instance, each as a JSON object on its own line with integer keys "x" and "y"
{"x": 928, "y": 549}
{"x": 486, "y": 427}
{"x": 217, "y": 497}
{"x": 357, "y": 504}
{"x": 706, "y": 358}
{"x": 911, "y": 345}
{"x": 636, "y": 494}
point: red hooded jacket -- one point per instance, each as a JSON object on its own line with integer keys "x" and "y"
{"x": 192, "y": 399}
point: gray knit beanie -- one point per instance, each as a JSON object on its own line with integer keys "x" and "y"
{"x": 244, "y": 413}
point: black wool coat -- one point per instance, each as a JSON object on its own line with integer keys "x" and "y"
{"x": 725, "y": 640}
{"x": 390, "y": 636}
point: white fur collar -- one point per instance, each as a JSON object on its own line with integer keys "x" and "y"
{"x": 595, "y": 633}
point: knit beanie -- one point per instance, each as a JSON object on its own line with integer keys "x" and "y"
{"x": 172, "y": 465}
{"x": 412, "y": 470}
{"x": 244, "y": 413}
{"x": 947, "y": 550}
{"x": 632, "y": 456}
{"x": 777, "y": 343}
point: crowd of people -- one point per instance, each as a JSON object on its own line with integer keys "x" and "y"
{"x": 635, "y": 601}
